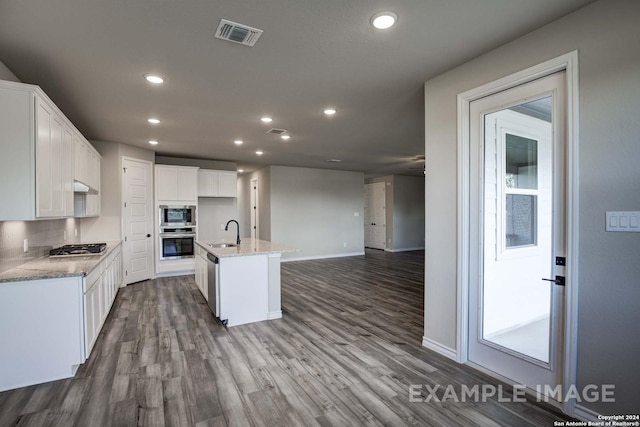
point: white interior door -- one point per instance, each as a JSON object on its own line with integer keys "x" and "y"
{"x": 375, "y": 230}
{"x": 137, "y": 220}
{"x": 517, "y": 232}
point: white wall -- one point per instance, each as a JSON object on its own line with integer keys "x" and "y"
{"x": 264, "y": 195}
{"x": 404, "y": 199}
{"x": 6, "y": 74}
{"x": 408, "y": 212}
{"x": 214, "y": 212}
{"x": 606, "y": 34}
{"x": 313, "y": 210}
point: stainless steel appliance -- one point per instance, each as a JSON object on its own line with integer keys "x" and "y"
{"x": 177, "y": 216}
{"x": 177, "y": 243}
{"x": 212, "y": 285}
{"x": 78, "y": 250}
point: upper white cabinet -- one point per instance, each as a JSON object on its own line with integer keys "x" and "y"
{"x": 176, "y": 183}
{"x": 86, "y": 162}
{"x": 36, "y": 140}
{"x": 213, "y": 183}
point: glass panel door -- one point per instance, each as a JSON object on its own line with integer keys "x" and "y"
{"x": 516, "y": 230}
{"x": 518, "y": 189}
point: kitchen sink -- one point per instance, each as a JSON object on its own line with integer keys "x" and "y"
{"x": 222, "y": 245}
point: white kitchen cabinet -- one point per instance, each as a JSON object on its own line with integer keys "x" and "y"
{"x": 86, "y": 162}
{"x": 201, "y": 275}
{"x": 214, "y": 183}
{"x": 100, "y": 289}
{"x": 41, "y": 331}
{"x": 87, "y": 171}
{"x": 176, "y": 183}
{"x": 49, "y": 326}
{"x": 68, "y": 165}
{"x": 50, "y": 184}
{"x": 36, "y": 153}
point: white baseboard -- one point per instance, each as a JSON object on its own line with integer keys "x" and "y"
{"x": 274, "y": 315}
{"x": 175, "y": 273}
{"x": 584, "y": 414}
{"x": 405, "y": 249}
{"x": 439, "y": 348}
{"x": 309, "y": 258}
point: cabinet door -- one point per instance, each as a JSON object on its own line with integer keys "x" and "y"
{"x": 207, "y": 183}
{"x": 68, "y": 165}
{"x": 166, "y": 183}
{"x": 227, "y": 184}
{"x": 91, "y": 316}
{"x": 205, "y": 284}
{"x": 187, "y": 184}
{"x": 49, "y": 166}
{"x": 80, "y": 159}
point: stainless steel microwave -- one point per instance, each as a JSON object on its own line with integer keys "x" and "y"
{"x": 177, "y": 216}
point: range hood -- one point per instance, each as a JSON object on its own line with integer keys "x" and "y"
{"x": 80, "y": 187}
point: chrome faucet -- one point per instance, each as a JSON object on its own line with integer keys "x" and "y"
{"x": 226, "y": 228}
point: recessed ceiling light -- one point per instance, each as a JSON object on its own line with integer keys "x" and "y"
{"x": 259, "y": 153}
{"x": 384, "y": 20}
{"x": 153, "y": 121}
{"x": 153, "y": 142}
{"x": 334, "y": 160}
{"x": 240, "y": 170}
{"x": 238, "y": 142}
{"x": 285, "y": 137}
{"x": 266, "y": 119}
{"x": 154, "y": 78}
{"x": 330, "y": 111}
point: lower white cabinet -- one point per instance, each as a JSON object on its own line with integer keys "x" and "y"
{"x": 49, "y": 326}
{"x": 100, "y": 289}
{"x": 201, "y": 273}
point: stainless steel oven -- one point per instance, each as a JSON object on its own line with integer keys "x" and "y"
{"x": 177, "y": 243}
{"x": 177, "y": 216}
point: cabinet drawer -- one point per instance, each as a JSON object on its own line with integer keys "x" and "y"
{"x": 93, "y": 276}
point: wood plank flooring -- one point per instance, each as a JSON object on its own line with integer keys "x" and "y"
{"x": 344, "y": 354}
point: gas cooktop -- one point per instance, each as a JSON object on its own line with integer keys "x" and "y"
{"x": 78, "y": 250}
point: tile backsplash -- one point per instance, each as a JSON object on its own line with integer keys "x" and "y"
{"x": 42, "y": 236}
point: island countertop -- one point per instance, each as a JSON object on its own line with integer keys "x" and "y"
{"x": 52, "y": 268}
{"x": 248, "y": 246}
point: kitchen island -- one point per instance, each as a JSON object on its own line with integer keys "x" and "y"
{"x": 241, "y": 282}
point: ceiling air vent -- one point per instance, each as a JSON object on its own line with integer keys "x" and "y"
{"x": 277, "y": 131}
{"x": 237, "y": 33}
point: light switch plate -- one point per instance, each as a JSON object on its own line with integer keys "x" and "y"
{"x": 623, "y": 221}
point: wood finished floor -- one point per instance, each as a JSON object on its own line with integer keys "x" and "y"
{"x": 344, "y": 354}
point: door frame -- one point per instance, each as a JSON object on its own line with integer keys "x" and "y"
{"x": 568, "y": 63}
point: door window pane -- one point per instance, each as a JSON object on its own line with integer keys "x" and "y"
{"x": 521, "y": 162}
{"x": 520, "y": 218}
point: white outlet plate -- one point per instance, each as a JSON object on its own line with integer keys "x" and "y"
{"x": 623, "y": 221}
{"x": 356, "y": 214}
{"x": 25, "y": 245}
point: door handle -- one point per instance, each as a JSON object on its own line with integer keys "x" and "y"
{"x": 559, "y": 280}
{"x": 148, "y": 235}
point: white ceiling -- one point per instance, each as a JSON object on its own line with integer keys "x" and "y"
{"x": 90, "y": 56}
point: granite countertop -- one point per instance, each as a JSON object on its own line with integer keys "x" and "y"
{"x": 52, "y": 268}
{"x": 248, "y": 246}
